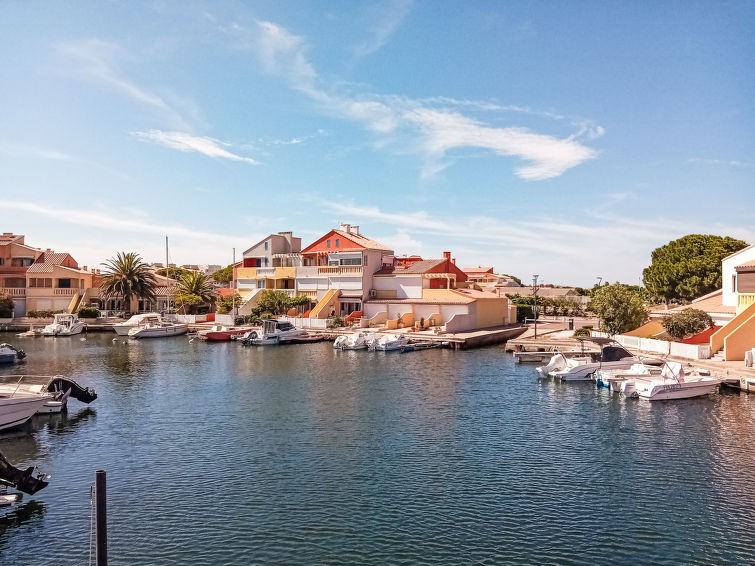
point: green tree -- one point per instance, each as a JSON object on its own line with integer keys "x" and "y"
{"x": 225, "y": 304}
{"x": 514, "y": 277}
{"x": 194, "y": 289}
{"x": 688, "y": 322}
{"x": 6, "y": 306}
{"x": 273, "y": 301}
{"x": 175, "y": 273}
{"x": 224, "y": 275}
{"x": 688, "y": 267}
{"x": 126, "y": 276}
{"x": 619, "y": 309}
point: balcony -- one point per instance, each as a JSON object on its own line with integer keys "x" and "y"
{"x": 14, "y": 291}
{"x": 66, "y": 292}
{"x": 355, "y": 270}
{"x": 744, "y": 300}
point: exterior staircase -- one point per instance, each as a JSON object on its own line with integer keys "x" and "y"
{"x": 321, "y": 309}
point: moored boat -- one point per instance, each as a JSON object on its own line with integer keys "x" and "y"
{"x": 273, "y": 332}
{"x": 389, "y": 343}
{"x": 18, "y": 407}
{"x": 122, "y": 328}
{"x": 10, "y": 354}
{"x": 64, "y": 324}
{"x": 158, "y": 329}
{"x": 58, "y": 387}
{"x": 220, "y": 333}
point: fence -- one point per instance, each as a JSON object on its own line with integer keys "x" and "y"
{"x": 688, "y": 351}
{"x": 305, "y": 322}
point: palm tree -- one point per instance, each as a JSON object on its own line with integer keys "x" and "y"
{"x": 193, "y": 289}
{"x": 126, "y": 276}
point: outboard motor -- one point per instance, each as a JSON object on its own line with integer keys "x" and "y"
{"x": 22, "y": 480}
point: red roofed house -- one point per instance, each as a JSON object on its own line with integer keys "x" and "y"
{"x": 15, "y": 259}
{"x": 337, "y": 271}
{"x": 429, "y": 290}
{"x": 55, "y": 282}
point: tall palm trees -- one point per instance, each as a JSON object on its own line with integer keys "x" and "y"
{"x": 194, "y": 289}
{"x": 126, "y": 276}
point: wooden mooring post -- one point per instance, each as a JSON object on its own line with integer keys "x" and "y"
{"x": 100, "y": 500}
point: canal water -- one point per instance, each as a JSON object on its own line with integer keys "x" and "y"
{"x": 222, "y": 455}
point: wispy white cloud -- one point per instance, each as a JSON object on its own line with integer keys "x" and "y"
{"x": 98, "y": 59}
{"x": 386, "y": 18}
{"x": 433, "y": 130}
{"x": 564, "y": 249}
{"x": 23, "y": 150}
{"x": 729, "y": 162}
{"x": 189, "y": 143}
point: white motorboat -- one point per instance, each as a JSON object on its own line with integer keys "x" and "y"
{"x": 582, "y": 368}
{"x": 673, "y": 383}
{"x": 157, "y": 328}
{"x": 272, "y": 333}
{"x": 616, "y": 379}
{"x": 10, "y": 354}
{"x": 390, "y": 342}
{"x": 17, "y": 407}
{"x": 58, "y": 387}
{"x": 355, "y": 341}
{"x": 122, "y": 328}
{"x": 64, "y": 324}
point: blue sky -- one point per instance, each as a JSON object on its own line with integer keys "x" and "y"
{"x": 563, "y": 139}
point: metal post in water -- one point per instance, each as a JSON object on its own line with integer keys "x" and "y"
{"x": 100, "y": 500}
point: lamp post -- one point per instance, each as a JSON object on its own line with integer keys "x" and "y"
{"x": 599, "y": 278}
{"x": 535, "y": 289}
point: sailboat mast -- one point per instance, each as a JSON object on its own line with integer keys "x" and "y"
{"x": 167, "y": 271}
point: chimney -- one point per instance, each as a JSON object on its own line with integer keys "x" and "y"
{"x": 453, "y": 260}
{"x": 447, "y": 256}
{"x": 346, "y": 228}
{"x": 355, "y": 230}
{"x": 84, "y": 268}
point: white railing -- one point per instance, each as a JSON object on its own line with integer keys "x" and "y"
{"x": 187, "y": 318}
{"x": 307, "y": 271}
{"x": 14, "y": 291}
{"x": 67, "y": 292}
{"x": 305, "y": 322}
{"x": 678, "y": 349}
{"x": 265, "y": 272}
{"x": 340, "y": 270}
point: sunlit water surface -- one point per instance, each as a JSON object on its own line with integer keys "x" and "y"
{"x": 218, "y": 454}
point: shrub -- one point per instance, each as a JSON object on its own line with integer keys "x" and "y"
{"x": 335, "y": 322}
{"x": 43, "y": 313}
{"x": 584, "y": 331}
{"x": 6, "y": 306}
{"x": 88, "y": 312}
{"x": 686, "y": 323}
{"x": 225, "y": 304}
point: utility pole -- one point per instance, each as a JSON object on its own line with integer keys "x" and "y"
{"x": 535, "y": 289}
{"x": 100, "y": 502}
{"x": 233, "y": 286}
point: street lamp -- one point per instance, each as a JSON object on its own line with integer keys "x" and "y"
{"x": 535, "y": 289}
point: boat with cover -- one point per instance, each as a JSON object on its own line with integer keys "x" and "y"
{"x": 581, "y": 368}
{"x": 122, "y": 328}
{"x": 160, "y": 328}
{"x": 64, "y": 324}
{"x": 389, "y": 343}
{"x": 355, "y": 341}
{"x": 672, "y": 383}
{"x": 59, "y": 388}
{"x": 273, "y": 332}
{"x": 10, "y": 354}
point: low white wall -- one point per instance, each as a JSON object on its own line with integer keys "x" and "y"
{"x": 305, "y": 322}
{"x": 688, "y": 351}
{"x": 187, "y": 318}
{"x": 459, "y": 323}
{"x": 224, "y": 319}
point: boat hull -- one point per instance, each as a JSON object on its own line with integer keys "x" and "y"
{"x": 160, "y": 332}
{"x": 15, "y": 411}
{"x": 669, "y": 391}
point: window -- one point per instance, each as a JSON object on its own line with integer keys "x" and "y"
{"x": 39, "y": 283}
{"x": 15, "y": 282}
{"x": 64, "y": 283}
{"x": 734, "y": 283}
{"x": 337, "y": 242}
{"x": 328, "y": 243}
{"x": 2, "y": 261}
{"x": 21, "y": 261}
{"x": 265, "y": 262}
{"x": 351, "y": 261}
{"x": 265, "y": 245}
{"x": 365, "y": 260}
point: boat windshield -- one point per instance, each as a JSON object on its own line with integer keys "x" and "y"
{"x": 614, "y": 354}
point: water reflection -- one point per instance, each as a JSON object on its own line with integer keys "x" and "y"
{"x": 19, "y": 514}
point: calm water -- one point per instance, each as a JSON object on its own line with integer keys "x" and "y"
{"x": 218, "y": 454}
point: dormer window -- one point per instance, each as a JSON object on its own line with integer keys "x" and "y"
{"x": 336, "y": 242}
{"x": 328, "y": 243}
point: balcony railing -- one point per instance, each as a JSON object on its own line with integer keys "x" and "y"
{"x": 14, "y": 291}
{"x": 265, "y": 271}
{"x": 66, "y": 292}
{"x": 340, "y": 270}
{"x": 745, "y": 300}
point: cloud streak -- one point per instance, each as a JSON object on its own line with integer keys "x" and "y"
{"x": 434, "y": 130}
{"x": 189, "y": 143}
{"x": 98, "y": 59}
{"x": 387, "y": 19}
